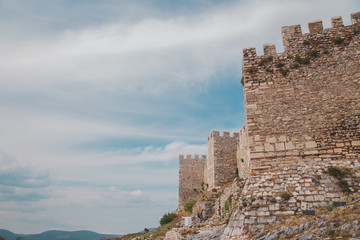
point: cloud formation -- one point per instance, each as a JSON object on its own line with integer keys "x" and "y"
{"x": 20, "y": 182}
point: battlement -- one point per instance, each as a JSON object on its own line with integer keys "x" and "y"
{"x": 188, "y": 157}
{"x": 294, "y": 100}
{"x": 295, "y": 42}
{"x": 225, "y": 133}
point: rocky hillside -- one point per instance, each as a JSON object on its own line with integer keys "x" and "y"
{"x": 280, "y": 215}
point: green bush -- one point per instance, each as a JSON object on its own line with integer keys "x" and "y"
{"x": 336, "y": 172}
{"x": 285, "y": 195}
{"x": 189, "y": 205}
{"x": 304, "y": 60}
{"x": 251, "y": 69}
{"x": 227, "y": 204}
{"x": 339, "y": 174}
{"x": 338, "y": 40}
{"x": 168, "y": 217}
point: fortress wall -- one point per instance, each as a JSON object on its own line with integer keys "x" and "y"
{"x": 191, "y": 177}
{"x": 304, "y": 103}
{"x": 222, "y": 162}
{"x": 243, "y": 154}
{"x": 308, "y": 184}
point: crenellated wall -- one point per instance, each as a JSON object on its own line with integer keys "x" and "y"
{"x": 302, "y": 106}
{"x": 191, "y": 177}
{"x": 222, "y": 161}
{"x": 304, "y": 103}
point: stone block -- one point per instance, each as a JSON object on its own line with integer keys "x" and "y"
{"x": 282, "y": 138}
{"x": 280, "y": 146}
{"x": 319, "y": 198}
{"x": 271, "y": 139}
{"x": 309, "y": 198}
{"x": 283, "y": 213}
{"x": 269, "y": 147}
{"x": 274, "y": 207}
{"x": 263, "y": 213}
{"x": 250, "y": 213}
{"x": 311, "y": 144}
{"x": 289, "y": 146}
{"x": 355, "y": 143}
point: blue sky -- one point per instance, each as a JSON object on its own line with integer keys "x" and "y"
{"x": 98, "y": 99}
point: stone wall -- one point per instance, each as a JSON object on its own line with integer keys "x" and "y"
{"x": 304, "y": 103}
{"x": 191, "y": 178}
{"x": 243, "y": 154}
{"x": 309, "y": 186}
{"x": 222, "y": 159}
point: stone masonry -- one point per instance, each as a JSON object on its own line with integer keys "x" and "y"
{"x": 302, "y": 110}
{"x": 195, "y": 175}
{"x": 191, "y": 177}
{"x": 304, "y": 103}
{"x": 221, "y": 165}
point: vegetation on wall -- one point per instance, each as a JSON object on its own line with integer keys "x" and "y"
{"x": 188, "y": 206}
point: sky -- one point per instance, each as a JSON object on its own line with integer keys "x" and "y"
{"x": 99, "y": 98}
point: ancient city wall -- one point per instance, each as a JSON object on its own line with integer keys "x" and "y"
{"x": 304, "y": 103}
{"x": 191, "y": 177}
{"x": 222, "y": 160}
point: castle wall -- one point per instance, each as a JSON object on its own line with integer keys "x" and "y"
{"x": 309, "y": 184}
{"x": 191, "y": 178}
{"x": 304, "y": 104}
{"x": 243, "y": 154}
{"x": 222, "y": 162}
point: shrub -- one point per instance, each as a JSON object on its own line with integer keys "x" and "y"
{"x": 188, "y": 206}
{"x": 337, "y": 172}
{"x": 168, "y": 217}
{"x": 338, "y": 40}
{"x": 304, "y": 60}
{"x": 284, "y": 71}
{"x": 227, "y": 204}
{"x": 269, "y": 70}
{"x": 285, "y": 195}
{"x": 313, "y": 53}
{"x": 266, "y": 60}
{"x": 280, "y": 65}
{"x": 344, "y": 186}
{"x": 295, "y": 65}
{"x": 251, "y": 69}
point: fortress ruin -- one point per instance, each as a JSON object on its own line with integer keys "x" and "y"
{"x": 302, "y": 109}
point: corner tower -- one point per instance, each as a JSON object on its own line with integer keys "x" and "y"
{"x": 191, "y": 177}
{"x": 304, "y": 104}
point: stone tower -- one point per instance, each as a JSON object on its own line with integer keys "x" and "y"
{"x": 222, "y": 163}
{"x": 191, "y": 177}
{"x": 303, "y": 104}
